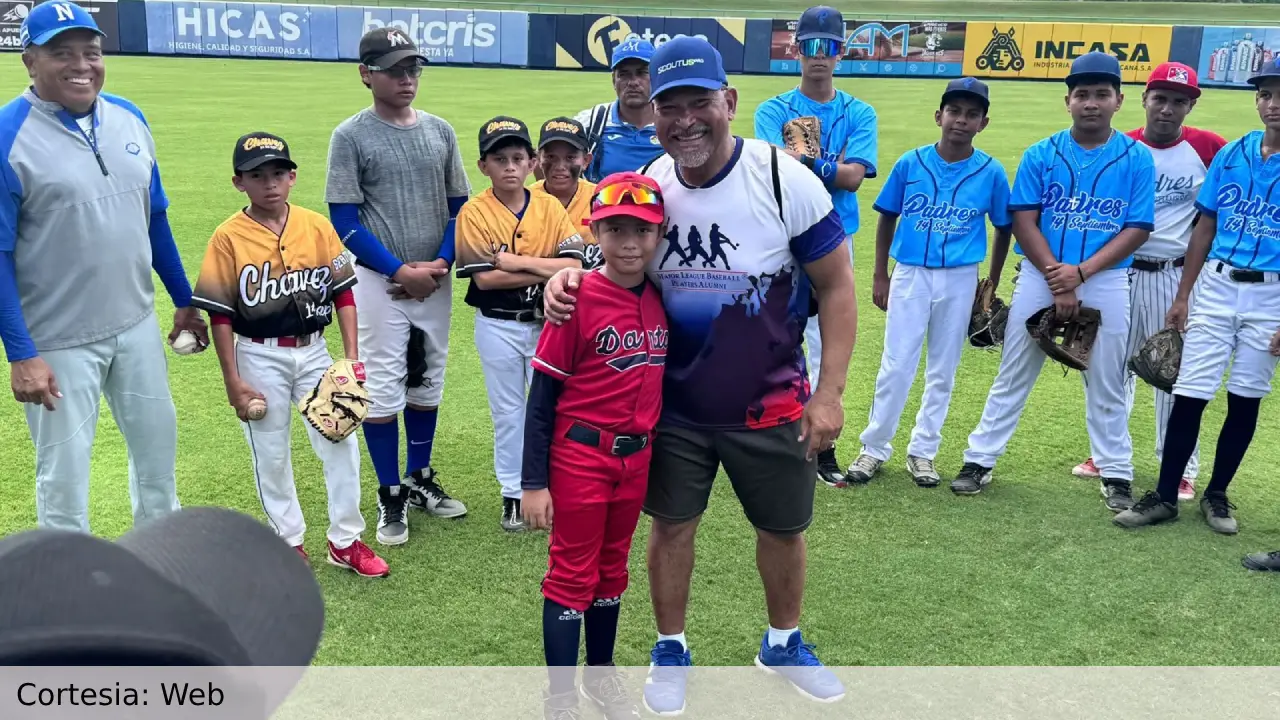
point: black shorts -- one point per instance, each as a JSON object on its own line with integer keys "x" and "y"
{"x": 767, "y": 468}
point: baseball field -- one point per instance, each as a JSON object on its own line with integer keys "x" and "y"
{"x": 1031, "y": 572}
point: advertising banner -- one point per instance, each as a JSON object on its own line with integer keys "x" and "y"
{"x": 930, "y": 48}
{"x": 12, "y": 13}
{"x": 1229, "y": 56}
{"x": 1046, "y": 50}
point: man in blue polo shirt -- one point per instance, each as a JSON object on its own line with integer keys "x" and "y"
{"x": 933, "y": 221}
{"x": 79, "y": 237}
{"x": 1233, "y": 264}
{"x": 1083, "y": 201}
{"x": 849, "y": 150}
{"x": 621, "y": 134}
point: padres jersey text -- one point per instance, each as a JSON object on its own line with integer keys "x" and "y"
{"x": 1242, "y": 193}
{"x": 579, "y": 210}
{"x": 1180, "y": 171}
{"x": 486, "y": 227}
{"x": 1086, "y": 197}
{"x": 610, "y": 355}
{"x": 274, "y": 286}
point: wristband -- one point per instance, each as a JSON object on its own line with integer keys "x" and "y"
{"x": 808, "y": 161}
{"x": 825, "y": 170}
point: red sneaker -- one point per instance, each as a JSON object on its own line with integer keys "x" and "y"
{"x": 1086, "y": 469}
{"x": 302, "y": 552}
{"x": 359, "y": 559}
{"x": 1187, "y": 489}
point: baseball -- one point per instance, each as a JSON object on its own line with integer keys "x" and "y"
{"x": 257, "y": 409}
{"x": 186, "y": 343}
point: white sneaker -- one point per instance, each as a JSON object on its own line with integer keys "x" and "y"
{"x": 863, "y": 469}
{"x": 922, "y": 471}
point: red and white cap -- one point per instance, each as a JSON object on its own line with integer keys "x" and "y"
{"x": 1176, "y": 77}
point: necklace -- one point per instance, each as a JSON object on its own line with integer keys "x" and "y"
{"x": 1075, "y": 157}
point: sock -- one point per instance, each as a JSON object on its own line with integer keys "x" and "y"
{"x": 383, "y": 440}
{"x": 1233, "y": 441}
{"x": 1180, "y": 437}
{"x": 678, "y": 638}
{"x": 420, "y": 431}
{"x": 560, "y": 632}
{"x": 601, "y": 627}
{"x": 780, "y": 637}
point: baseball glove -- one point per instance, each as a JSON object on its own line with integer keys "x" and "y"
{"x": 804, "y": 135}
{"x": 339, "y": 402}
{"x": 1158, "y": 360}
{"x": 416, "y": 360}
{"x": 1068, "y": 342}
{"x": 989, "y": 317}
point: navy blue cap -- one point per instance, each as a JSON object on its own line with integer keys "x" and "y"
{"x": 633, "y": 48}
{"x": 52, "y": 18}
{"x": 1096, "y": 64}
{"x": 685, "y": 61}
{"x": 1270, "y": 70}
{"x": 820, "y": 22}
{"x": 968, "y": 87}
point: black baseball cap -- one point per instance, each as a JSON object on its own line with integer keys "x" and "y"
{"x": 500, "y": 128}
{"x": 564, "y": 129}
{"x": 259, "y": 148}
{"x": 202, "y": 586}
{"x": 383, "y": 47}
{"x": 971, "y": 88}
{"x": 822, "y": 21}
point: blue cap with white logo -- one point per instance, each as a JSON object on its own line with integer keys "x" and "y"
{"x": 1095, "y": 65}
{"x": 633, "y": 48}
{"x": 821, "y": 22}
{"x": 1269, "y": 71}
{"x": 53, "y": 17}
{"x": 685, "y": 61}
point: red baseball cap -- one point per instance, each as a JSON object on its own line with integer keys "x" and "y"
{"x": 1176, "y": 77}
{"x": 628, "y": 193}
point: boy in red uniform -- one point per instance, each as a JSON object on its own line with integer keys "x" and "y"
{"x": 593, "y": 405}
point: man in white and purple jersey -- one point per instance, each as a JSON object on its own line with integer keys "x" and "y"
{"x": 1182, "y": 156}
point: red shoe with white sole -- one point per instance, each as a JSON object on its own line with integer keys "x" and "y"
{"x": 302, "y": 552}
{"x": 1187, "y": 489}
{"x": 1086, "y": 469}
{"x": 359, "y": 559}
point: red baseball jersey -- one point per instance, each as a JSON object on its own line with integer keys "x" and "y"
{"x": 610, "y": 355}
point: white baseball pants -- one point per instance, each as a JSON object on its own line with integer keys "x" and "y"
{"x": 1021, "y": 361}
{"x": 1151, "y": 294}
{"x": 932, "y": 303}
{"x": 1230, "y": 326}
{"x": 285, "y": 375}
{"x": 813, "y": 339}
{"x": 506, "y": 349}
{"x": 384, "y": 342}
{"x": 133, "y": 373}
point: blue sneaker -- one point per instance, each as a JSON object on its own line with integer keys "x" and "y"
{"x": 664, "y": 688}
{"x": 797, "y": 663}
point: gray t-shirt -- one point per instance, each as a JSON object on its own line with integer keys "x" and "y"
{"x": 401, "y": 177}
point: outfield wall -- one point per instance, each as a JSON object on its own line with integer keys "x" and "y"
{"x": 1223, "y": 56}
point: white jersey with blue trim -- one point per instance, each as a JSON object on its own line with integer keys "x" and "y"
{"x": 1086, "y": 197}
{"x": 1242, "y": 195}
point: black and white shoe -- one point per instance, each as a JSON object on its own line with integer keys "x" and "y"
{"x": 829, "y": 470}
{"x": 512, "y": 519}
{"x": 426, "y": 495}
{"x": 393, "y": 524}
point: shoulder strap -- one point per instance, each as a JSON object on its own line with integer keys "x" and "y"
{"x": 599, "y": 117}
{"x": 777, "y": 183}
{"x": 645, "y": 170}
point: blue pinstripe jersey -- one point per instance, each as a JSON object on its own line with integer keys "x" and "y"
{"x": 943, "y": 207}
{"x": 1243, "y": 194}
{"x": 849, "y": 135}
{"x": 1086, "y": 197}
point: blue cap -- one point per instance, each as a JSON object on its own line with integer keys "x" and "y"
{"x": 968, "y": 87}
{"x": 1096, "y": 64}
{"x": 820, "y": 22}
{"x": 50, "y": 18}
{"x": 685, "y": 61}
{"x": 633, "y": 48}
{"x": 1269, "y": 71}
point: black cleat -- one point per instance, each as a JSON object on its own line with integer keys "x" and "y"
{"x": 1147, "y": 511}
{"x": 971, "y": 480}
{"x": 829, "y": 470}
{"x": 1263, "y": 561}
{"x": 1118, "y": 494}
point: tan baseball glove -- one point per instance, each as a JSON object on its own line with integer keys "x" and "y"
{"x": 804, "y": 135}
{"x": 988, "y": 318}
{"x": 1068, "y": 342}
{"x": 339, "y": 402}
{"x": 1159, "y": 359}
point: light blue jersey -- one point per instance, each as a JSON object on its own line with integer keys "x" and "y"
{"x": 943, "y": 207}
{"x": 1243, "y": 194}
{"x": 1086, "y": 197}
{"x": 849, "y": 135}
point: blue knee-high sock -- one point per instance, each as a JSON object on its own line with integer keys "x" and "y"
{"x": 420, "y": 431}
{"x": 561, "y": 632}
{"x": 383, "y": 440}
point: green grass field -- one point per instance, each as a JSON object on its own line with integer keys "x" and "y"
{"x": 1207, "y": 13}
{"x": 1032, "y": 572}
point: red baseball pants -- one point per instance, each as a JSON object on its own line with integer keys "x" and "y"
{"x": 596, "y": 498}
